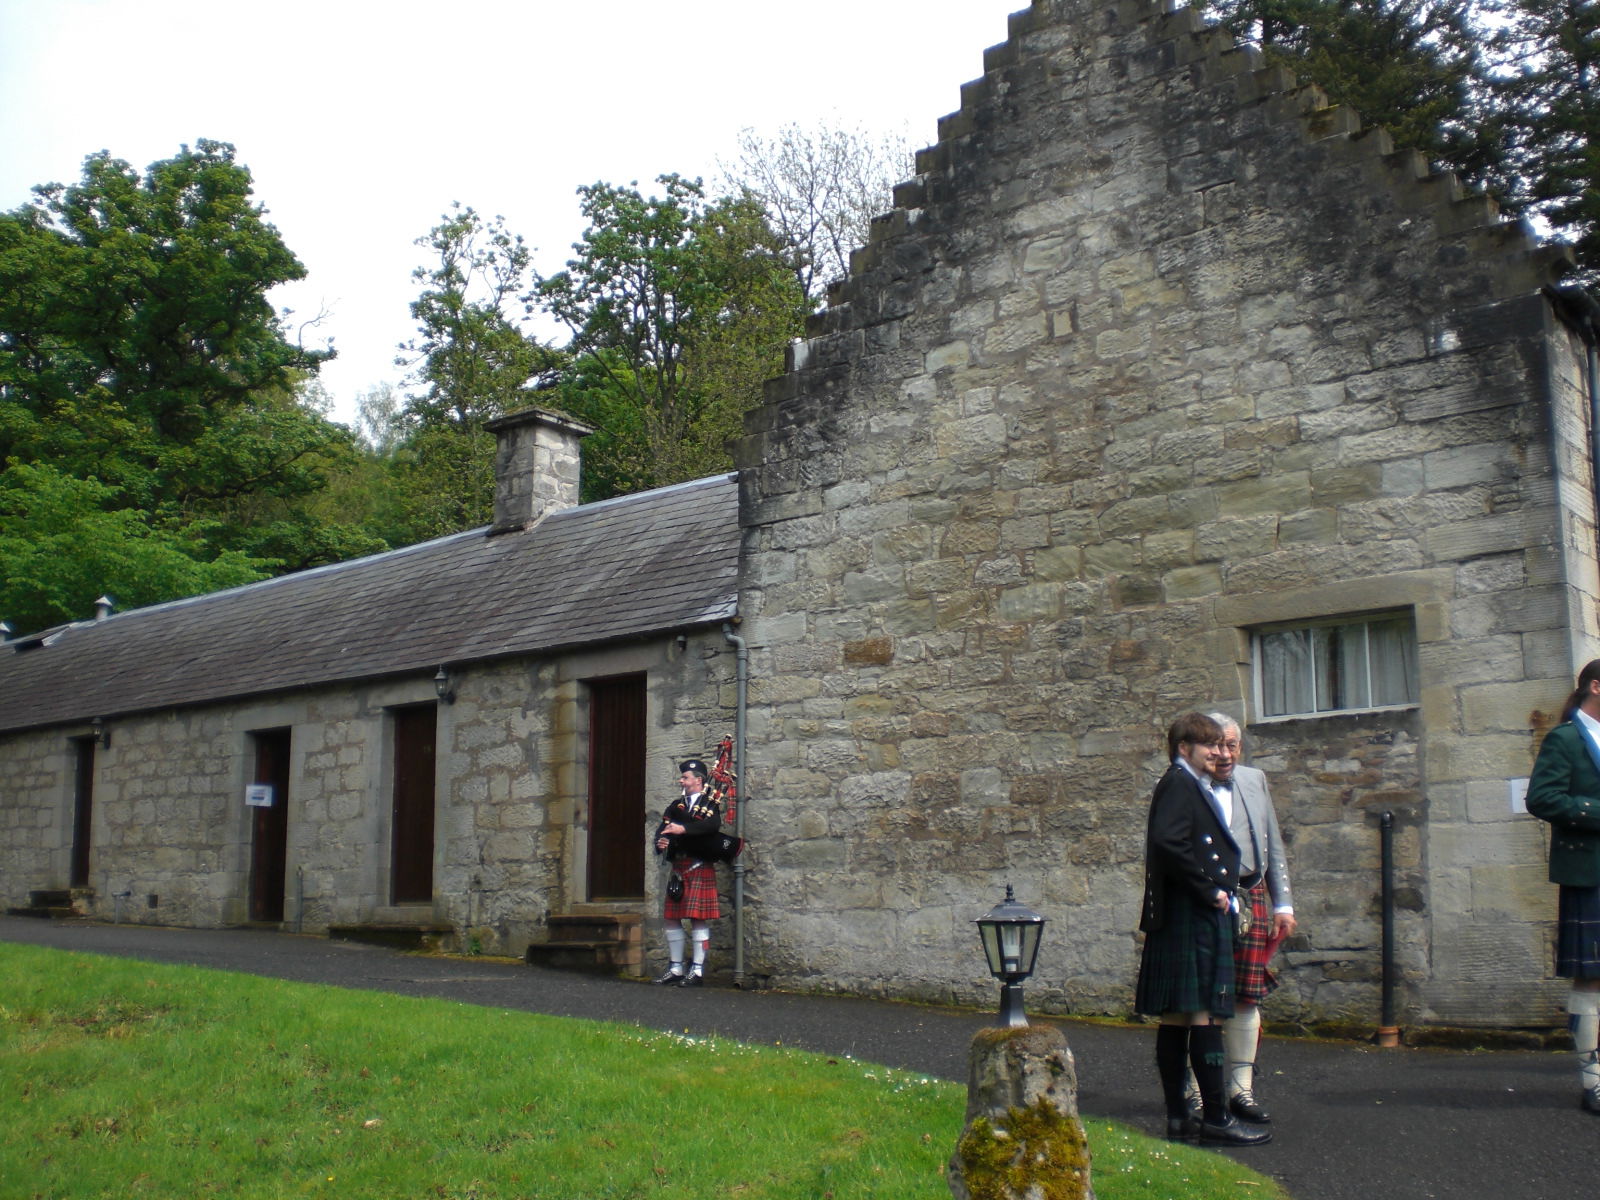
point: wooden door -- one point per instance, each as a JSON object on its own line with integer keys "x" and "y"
{"x": 82, "y": 811}
{"x": 411, "y": 833}
{"x": 616, "y": 788}
{"x": 269, "y": 827}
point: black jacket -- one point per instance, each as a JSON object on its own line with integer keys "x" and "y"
{"x": 700, "y": 822}
{"x": 1188, "y": 850}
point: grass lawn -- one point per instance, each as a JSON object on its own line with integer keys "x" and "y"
{"x": 129, "y": 1079}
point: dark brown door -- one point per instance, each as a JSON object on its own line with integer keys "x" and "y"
{"x": 82, "y": 810}
{"x": 616, "y": 788}
{"x": 412, "y": 840}
{"x": 269, "y": 831}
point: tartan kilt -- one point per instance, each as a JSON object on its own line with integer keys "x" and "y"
{"x": 699, "y": 902}
{"x": 1252, "y": 981}
{"x": 1186, "y": 966}
{"x": 1578, "y": 933}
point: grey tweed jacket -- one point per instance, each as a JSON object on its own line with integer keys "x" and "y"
{"x": 1263, "y": 851}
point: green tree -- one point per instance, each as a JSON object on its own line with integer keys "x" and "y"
{"x": 63, "y": 543}
{"x": 139, "y": 355}
{"x": 472, "y": 362}
{"x": 678, "y": 310}
{"x": 1415, "y": 67}
{"x": 1547, "y": 97}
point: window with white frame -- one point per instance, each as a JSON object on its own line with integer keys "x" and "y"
{"x": 1336, "y": 665}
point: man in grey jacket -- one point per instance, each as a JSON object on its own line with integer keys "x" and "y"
{"x": 1242, "y": 794}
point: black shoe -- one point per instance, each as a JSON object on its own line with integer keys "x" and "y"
{"x": 1183, "y": 1129}
{"x": 1232, "y": 1132}
{"x": 693, "y": 979}
{"x": 1243, "y": 1105}
{"x": 1591, "y": 1101}
{"x": 675, "y": 978}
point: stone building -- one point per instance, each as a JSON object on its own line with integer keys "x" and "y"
{"x": 464, "y": 737}
{"x": 1164, "y": 385}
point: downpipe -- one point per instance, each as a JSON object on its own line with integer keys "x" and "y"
{"x": 1388, "y": 1035}
{"x": 741, "y": 693}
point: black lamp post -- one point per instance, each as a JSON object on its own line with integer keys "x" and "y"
{"x": 1010, "y": 933}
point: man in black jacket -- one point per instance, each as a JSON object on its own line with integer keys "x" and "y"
{"x": 692, "y": 885}
{"x": 1186, "y": 967}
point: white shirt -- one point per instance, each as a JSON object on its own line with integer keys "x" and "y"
{"x": 1590, "y": 727}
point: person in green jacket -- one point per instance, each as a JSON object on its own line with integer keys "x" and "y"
{"x": 1565, "y": 791}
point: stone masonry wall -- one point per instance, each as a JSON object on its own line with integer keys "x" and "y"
{"x": 511, "y": 778}
{"x": 1157, "y": 349}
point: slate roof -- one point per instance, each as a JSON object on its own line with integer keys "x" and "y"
{"x": 624, "y": 568}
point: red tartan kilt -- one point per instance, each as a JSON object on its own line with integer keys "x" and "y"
{"x": 1251, "y": 979}
{"x": 699, "y": 902}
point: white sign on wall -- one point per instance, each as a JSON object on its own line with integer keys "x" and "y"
{"x": 258, "y": 795}
{"x": 1519, "y": 795}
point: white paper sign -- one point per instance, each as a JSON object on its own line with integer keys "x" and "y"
{"x": 258, "y": 795}
{"x": 1519, "y": 796}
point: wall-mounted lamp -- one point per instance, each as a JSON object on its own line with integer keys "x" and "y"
{"x": 444, "y": 687}
{"x": 682, "y": 640}
{"x": 102, "y": 735}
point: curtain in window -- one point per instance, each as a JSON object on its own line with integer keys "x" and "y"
{"x": 1324, "y": 668}
{"x": 1286, "y": 674}
{"x": 1347, "y": 663}
{"x": 1394, "y": 661}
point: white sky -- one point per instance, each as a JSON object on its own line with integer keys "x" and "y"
{"x": 362, "y": 122}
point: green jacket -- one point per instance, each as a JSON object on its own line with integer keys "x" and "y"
{"x": 1565, "y": 790}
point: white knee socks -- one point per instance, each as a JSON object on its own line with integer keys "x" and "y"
{"x": 1585, "y": 1010}
{"x": 675, "y": 947}
{"x": 1241, "y": 1033}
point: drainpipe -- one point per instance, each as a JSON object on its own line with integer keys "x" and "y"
{"x": 1388, "y": 1031}
{"x": 742, "y": 654}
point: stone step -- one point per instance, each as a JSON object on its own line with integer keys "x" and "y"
{"x": 600, "y": 958}
{"x": 595, "y": 927}
{"x": 598, "y": 942}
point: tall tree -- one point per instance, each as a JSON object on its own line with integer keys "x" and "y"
{"x": 678, "y": 308}
{"x": 1414, "y": 67}
{"x": 472, "y": 358}
{"x": 472, "y": 361}
{"x": 1547, "y": 94}
{"x": 821, "y": 188}
{"x": 144, "y": 374}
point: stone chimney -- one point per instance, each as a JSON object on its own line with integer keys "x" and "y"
{"x": 535, "y": 466}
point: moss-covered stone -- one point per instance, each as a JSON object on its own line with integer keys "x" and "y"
{"x": 1034, "y": 1153}
{"x": 1022, "y": 1139}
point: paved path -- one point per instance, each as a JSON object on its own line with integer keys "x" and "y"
{"x": 1352, "y": 1122}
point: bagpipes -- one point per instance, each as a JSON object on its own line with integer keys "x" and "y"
{"x": 723, "y": 788}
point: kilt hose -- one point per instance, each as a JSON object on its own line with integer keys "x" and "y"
{"x": 1252, "y": 981}
{"x": 699, "y": 899}
{"x": 1578, "y": 932}
{"x": 1186, "y": 966}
